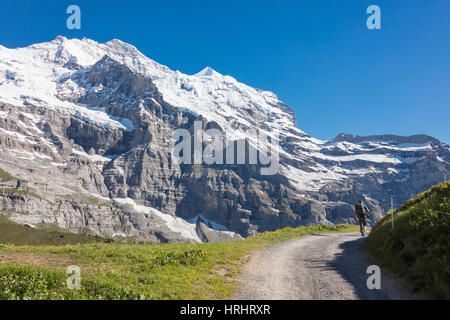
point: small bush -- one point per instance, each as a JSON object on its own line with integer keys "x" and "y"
{"x": 190, "y": 257}
{"x": 5, "y": 176}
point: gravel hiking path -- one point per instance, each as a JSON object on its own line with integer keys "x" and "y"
{"x": 327, "y": 266}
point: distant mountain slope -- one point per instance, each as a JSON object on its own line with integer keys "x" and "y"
{"x": 89, "y": 126}
{"x": 20, "y": 235}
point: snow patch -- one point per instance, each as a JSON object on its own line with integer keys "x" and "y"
{"x": 175, "y": 224}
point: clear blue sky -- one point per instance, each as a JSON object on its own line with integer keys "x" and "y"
{"x": 316, "y": 55}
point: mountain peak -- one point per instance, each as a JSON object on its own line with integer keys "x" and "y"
{"x": 60, "y": 39}
{"x": 121, "y": 44}
{"x": 208, "y": 72}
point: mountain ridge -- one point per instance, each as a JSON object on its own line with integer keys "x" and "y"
{"x": 416, "y": 138}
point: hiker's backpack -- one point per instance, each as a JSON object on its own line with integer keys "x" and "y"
{"x": 359, "y": 210}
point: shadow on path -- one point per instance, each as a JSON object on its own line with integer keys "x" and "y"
{"x": 352, "y": 265}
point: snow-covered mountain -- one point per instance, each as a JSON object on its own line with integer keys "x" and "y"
{"x": 89, "y": 126}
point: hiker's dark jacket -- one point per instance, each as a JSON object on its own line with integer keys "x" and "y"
{"x": 361, "y": 210}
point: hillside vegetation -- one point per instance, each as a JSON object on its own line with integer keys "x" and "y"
{"x": 419, "y": 246}
{"x": 17, "y": 234}
{"x": 135, "y": 271}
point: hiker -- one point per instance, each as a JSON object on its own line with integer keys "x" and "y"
{"x": 361, "y": 212}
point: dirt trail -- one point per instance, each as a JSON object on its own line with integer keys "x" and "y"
{"x": 331, "y": 266}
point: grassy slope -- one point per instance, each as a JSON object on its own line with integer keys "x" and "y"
{"x": 418, "y": 248}
{"x": 5, "y": 176}
{"x": 132, "y": 271}
{"x": 12, "y": 233}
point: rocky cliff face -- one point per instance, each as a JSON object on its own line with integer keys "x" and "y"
{"x": 86, "y": 143}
